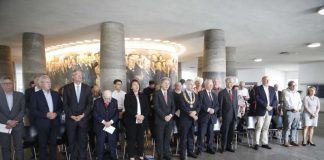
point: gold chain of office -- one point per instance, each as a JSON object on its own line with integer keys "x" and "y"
{"x": 188, "y": 101}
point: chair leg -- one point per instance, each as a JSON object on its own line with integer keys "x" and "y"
{"x": 35, "y": 155}
{"x": 89, "y": 150}
{"x": 177, "y": 148}
{"x": 153, "y": 141}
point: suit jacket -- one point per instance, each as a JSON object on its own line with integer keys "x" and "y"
{"x": 228, "y": 109}
{"x": 100, "y": 113}
{"x": 206, "y": 103}
{"x": 262, "y": 102}
{"x": 17, "y": 112}
{"x": 130, "y": 103}
{"x": 28, "y": 94}
{"x": 185, "y": 108}
{"x": 162, "y": 108}
{"x": 70, "y": 104}
{"x": 39, "y": 109}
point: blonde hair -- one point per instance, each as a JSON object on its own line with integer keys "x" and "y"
{"x": 43, "y": 77}
{"x": 309, "y": 89}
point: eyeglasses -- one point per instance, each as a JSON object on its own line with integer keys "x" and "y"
{"x": 8, "y": 83}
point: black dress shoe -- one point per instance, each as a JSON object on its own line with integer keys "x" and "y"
{"x": 312, "y": 144}
{"x": 193, "y": 155}
{"x": 230, "y": 150}
{"x": 256, "y": 147}
{"x": 210, "y": 151}
{"x": 167, "y": 157}
{"x": 221, "y": 150}
{"x": 266, "y": 146}
{"x": 198, "y": 152}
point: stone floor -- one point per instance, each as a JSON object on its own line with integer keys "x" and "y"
{"x": 243, "y": 152}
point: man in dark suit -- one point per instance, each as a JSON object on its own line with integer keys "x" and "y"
{"x": 149, "y": 92}
{"x": 164, "y": 111}
{"x": 46, "y": 108}
{"x": 189, "y": 109}
{"x": 228, "y": 112}
{"x": 77, "y": 102}
{"x": 207, "y": 117}
{"x": 266, "y": 102}
{"x": 28, "y": 94}
{"x": 105, "y": 114}
{"x": 12, "y": 110}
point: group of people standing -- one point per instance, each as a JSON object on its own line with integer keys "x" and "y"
{"x": 192, "y": 106}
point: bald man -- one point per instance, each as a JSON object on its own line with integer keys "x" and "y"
{"x": 105, "y": 114}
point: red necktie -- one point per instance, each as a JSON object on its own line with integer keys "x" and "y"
{"x": 106, "y": 105}
{"x": 231, "y": 95}
{"x": 165, "y": 95}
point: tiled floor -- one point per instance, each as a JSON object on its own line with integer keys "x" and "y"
{"x": 277, "y": 152}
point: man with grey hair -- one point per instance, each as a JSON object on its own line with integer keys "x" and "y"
{"x": 207, "y": 117}
{"x": 105, "y": 114}
{"x": 189, "y": 109}
{"x": 12, "y": 110}
{"x": 266, "y": 102}
{"x": 292, "y": 107}
{"x": 228, "y": 112}
{"x": 164, "y": 111}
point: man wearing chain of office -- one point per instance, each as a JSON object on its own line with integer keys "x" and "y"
{"x": 189, "y": 109}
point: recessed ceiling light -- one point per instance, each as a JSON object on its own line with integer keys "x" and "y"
{"x": 257, "y": 59}
{"x": 314, "y": 45}
{"x": 321, "y": 11}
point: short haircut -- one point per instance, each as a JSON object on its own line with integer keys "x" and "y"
{"x": 117, "y": 80}
{"x": 134, "y": 81}
{"x": 165, "y": 79}
{"x": 309, "y": 89}
{"x": 3, "y": 78}
{"x": 290, "y": 83}
{"x": 151, "y": 82}
{"x": 189, "y": 80}
{"x": 43, "y": 77}
{"x": 235, "y": 86}
{"x": 207, "y": 80}
{"x": 229, "y": 79}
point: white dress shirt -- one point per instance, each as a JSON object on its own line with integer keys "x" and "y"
{"x": 76, "y": 87}
{"x": 243, "y": 92}
{"x": 120, "y": 97}
{"x": 190, "y": 94}
{"x": 9, "y": 97}
{"x": 292, "y": 100}
{"x": 49, "y": 100}
{"x": 36, "y": 89}
{"x": 266, "y": 90}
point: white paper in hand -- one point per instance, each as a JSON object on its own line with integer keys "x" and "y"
{"x": 110, "y": 129}
{"x": 3, "y": 129}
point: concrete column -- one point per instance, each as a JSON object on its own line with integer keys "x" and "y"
{"x": 179, "y": 71}
{"x": 6, "y": 64}
{"x": 200, "y": 66}
{"x": 231, "y": 70}
{"x": 33, "y": 57}
{"x": 214, "y": 61}
{"x": 112, "y": 55}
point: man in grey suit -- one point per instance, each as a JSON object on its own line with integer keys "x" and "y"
{"x": 164, "y": 110}
{"x": 12, "y": 109}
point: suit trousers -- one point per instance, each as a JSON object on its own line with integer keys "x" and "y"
{"x": 187, "y": 137}
{"x": 77, "y": 133}
{"x": 47, "y": 136}
{"x": 163, "y": 138}
{"x": 262, "y": 129}
{"x": 5, "y": 142}
{"x": 203, "y": 128}
{"x": 102, "y": 137}
{"x": 227, "y": 131}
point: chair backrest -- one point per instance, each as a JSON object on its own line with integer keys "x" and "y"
{"x": 30, "y": 133}
{"x": 217, "y": 125}
{"x": 251, "y": 120}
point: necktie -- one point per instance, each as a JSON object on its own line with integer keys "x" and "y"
{"x": 78, "y": 93}
{"x": 106, "y": 105}
{"x": 165, "y": 95}
{"x": 231, "y": 95}
{"x": 210, "y": 96}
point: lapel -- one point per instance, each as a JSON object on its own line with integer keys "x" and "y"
{"x": 81, "y": 92}
{"x": 54, "y": 100}
{"x": 264, "y": 94}
{"x": 4, "y": 101}
{"x": 43, "y": 98}
{"x": 74, "y": 92}
{"x": 161, "y": 95}
{"x": 228, "y": 96}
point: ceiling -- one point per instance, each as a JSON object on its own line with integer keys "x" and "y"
{"x": 257, "y": 28}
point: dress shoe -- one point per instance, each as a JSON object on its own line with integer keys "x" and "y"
{"x": 266, "y": 146}
{"x": 311, "y": 143}
{"x": 210, "y": 151}
{"x": 167, "y": 157}
{"x": 230, "y": 150}
{"x": 294, "y": 144}
{"x": 287, "y": 145}
{"x": 182, "y": 157}
{"x": 198, "y": 152}
{"x": 193, "y": 155}
{"x": 256, "y": 147}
